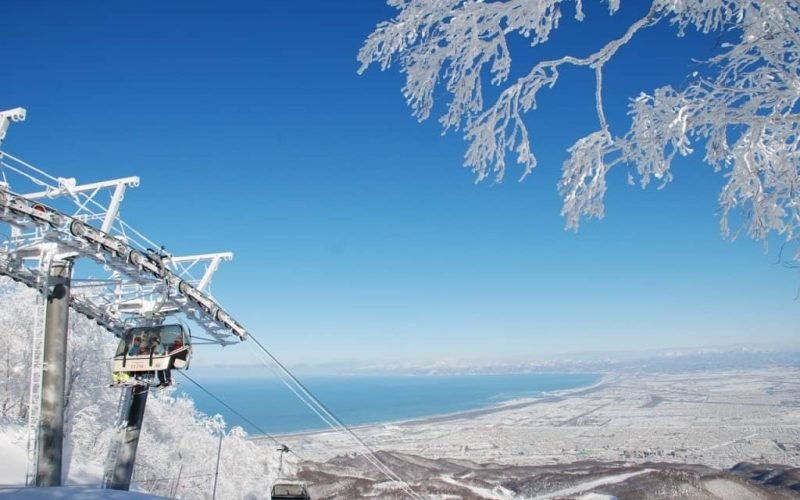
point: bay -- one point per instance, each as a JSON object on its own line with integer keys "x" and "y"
{"x": 360, "y": 400}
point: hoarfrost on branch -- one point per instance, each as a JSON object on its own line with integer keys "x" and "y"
{"x": 742, "y": 107}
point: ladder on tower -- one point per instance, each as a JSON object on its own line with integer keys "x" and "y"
{"x": 123, "y": 409}
{"x": 35, "y": 397}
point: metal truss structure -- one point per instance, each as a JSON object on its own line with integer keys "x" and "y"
{"x": 125, "y": 278}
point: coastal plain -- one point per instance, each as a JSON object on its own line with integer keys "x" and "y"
{"x": 712, "y": 419}
{"x": 715, "y": 419}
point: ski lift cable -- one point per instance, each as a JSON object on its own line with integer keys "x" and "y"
{"x": 338, "y": 426}
{"x": 275, "y": 367}
{"x": 287, "y": 382}
{"x": 245, "y": 419}
{"x": 28, "y": 165}
{"x": 302, "y": 393}
{"x": 327, "y": 420}
{"x": 34, "y": 180}
{"x": 325, "y": 414}
{"x": 270, "y": 362}
{"x": 370, "y": 455}
{"x": 143, "y": 242}
{"x": 31, "y": 178}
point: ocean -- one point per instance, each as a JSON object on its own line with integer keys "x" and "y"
{"x": 359, "y": 400}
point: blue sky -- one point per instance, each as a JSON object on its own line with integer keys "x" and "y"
{"x": 357, "y": 233}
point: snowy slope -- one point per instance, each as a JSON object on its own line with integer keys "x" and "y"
{"x": 12, "y": 451}
{"x": 13, "y": 446}
{"x": 79, "y": 493}
{"x": 76, "y": 477}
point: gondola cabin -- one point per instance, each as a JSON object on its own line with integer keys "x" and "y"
{"x": 289, "y": 490}
{"x": 153, "y": 348}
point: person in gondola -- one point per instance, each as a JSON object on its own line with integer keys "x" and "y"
{"x": 141, "y": 349}
{"x": 122, "y": 377}
{"x": 164, "y": 376}
{"x": 137, "y": 343}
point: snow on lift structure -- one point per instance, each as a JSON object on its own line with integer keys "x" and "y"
{"x": 137, "y": 284}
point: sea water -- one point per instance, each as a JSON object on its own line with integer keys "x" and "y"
{"x": 359, "y": 400}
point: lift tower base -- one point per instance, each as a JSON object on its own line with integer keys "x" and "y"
{"x": 127, "y": 440}
{"x": 50, "y": 432}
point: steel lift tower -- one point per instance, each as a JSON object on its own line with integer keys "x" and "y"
{"x": 68, "y": 241}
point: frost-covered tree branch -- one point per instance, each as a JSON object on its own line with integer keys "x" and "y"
{"x": 742, "y": 106}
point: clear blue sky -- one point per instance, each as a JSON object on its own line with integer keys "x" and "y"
{"x": 357, "y": 233}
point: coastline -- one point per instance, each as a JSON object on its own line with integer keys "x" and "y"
{"x": 511, "y": 404}
{"x": 716, "y": 418}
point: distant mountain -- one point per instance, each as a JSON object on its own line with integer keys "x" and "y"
{"x": 656, "y": 361}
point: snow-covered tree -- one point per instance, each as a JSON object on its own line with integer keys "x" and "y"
{"x": 16, "y": 325}
{"x": 741, "y": 105}
{"x": 178, "y": 445}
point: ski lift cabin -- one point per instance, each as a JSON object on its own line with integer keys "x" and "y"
{"x": 153, "y": 348}
{"x": 289, "y": 490}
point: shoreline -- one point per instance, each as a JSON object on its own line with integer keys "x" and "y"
{"x": 715, "y": 418}
{"x": 511, "y": 404}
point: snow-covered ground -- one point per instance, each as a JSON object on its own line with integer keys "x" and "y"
{"x": 13, "y": 450}
{"x": 589, "y": 485}
{"x": 76, "y": 493}
{"x": 716, "y": 419}
{"x": 654, "y": 436}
